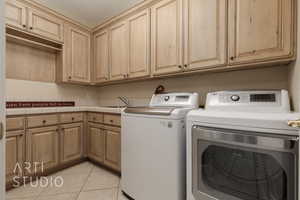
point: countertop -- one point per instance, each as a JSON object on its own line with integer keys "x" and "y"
{"x": 30, "y": 111}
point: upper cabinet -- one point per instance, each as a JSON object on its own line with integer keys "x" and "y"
{"x": 101, "y": 59}
{"x": 77, "y": 54}
{"x": 44, "y": 24}
{"x": 156, "y": 38}
{"x": 27, "y": 18}
{"x": 15, "y": 14}
{"x": 118, "y": 43}
{"x": 260, "y": 30}
{"x": 166, "y": 37}
{"x": 139, "y": 44}
{"x": 205, "y": 34}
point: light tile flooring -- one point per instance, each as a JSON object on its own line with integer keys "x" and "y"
{"x": 81, "y": 182}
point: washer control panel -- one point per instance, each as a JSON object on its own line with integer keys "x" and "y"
{"x": 189, "y": 100}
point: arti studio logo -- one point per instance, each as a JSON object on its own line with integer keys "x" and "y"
{"x": 27, "y": 175}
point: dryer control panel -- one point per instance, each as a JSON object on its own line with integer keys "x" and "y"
{"x": 261, "y": 100}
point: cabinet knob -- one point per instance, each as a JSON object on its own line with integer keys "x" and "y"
{"x": 124, "y": 75}
{"x": 44, "y": 121}
{"x": 30, "y": 27}
{"x": 185, "y": 66}
{"x": 180, "y": 67}
{"x": 111, "y": 121}
{"x": 24, "y": 26}
{"x": 73, "y": 118}
{"x": 232, "y": 58}
{"x": 70, "y": 77}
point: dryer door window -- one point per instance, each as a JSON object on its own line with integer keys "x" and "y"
{"x": 234, "y": 172}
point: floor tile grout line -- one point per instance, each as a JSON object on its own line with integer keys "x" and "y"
{"x": 89, "y": 174}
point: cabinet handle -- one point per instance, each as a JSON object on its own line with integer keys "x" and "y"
{"x": 31, "y": 28}
{"x": 44, "y": 121}
{"x": 24, "y": 26}
{"x": 180, "y": 67}
{"x": 185, "y": 66}
{"x": 232, "y": 58}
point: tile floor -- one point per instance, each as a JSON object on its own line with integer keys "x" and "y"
{"x": 81, "y": 182}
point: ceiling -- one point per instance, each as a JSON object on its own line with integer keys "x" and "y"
{"x": 89, "y": 12}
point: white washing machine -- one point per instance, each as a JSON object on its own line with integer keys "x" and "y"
{"x": 241, "y": 147}
{"x": 153, "y": 147}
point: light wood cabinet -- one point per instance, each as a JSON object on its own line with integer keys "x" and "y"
{"x": 45, "y": 24}
{"x": 118, "y": 42}
{"x": 139, "y": 44}
{"x": 42, "y": 120}
{"x": 96, "y": 142}
{"x": 77, "y": 54}
{"x": 104, "y": 140}
{"x": 101, "y": 59}
{"x": 42, "y": 148}
{"x": 15, "y": 123}
{"x": 71, "y": 142}
{"x": 260, "y": 30}
{"x": 205, "y": 34}
{"x": 23, "y": 16}
{"x": 166, "y": 37}
{"x": 16, "y": 14}
{"x": 15, "y": 152}
{"x": 113, "y": 149}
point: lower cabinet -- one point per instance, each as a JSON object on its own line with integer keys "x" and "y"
{"x": 113, "y": 150}
{"x": 71, "y": 142}
{"x": 15, "y": 142}
{"x": 104, "y": 145}
{"x": 42, "y": 149}
{"x": 96, "y": 142}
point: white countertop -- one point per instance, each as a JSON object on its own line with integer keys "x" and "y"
{"x": 30, "y": 111}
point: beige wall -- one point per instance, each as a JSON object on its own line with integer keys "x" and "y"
{"x": 294, "y": 74}
{"x": 140, "y": 92}
{"x": 19, "y": 90}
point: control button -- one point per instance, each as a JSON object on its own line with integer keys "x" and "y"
{"x": 167, "y": 98}
{"x": 235, "y": 98}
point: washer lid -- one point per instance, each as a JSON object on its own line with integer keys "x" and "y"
{"x": 164, "y": 111}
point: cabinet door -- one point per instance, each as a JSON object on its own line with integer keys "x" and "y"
{"x": 166, "y": 22}
{"x": 71, "y": 142}
{"x": 96, "y": 143}
{"x": 45, "y": 24}
{"x": 260, "y": 30}
{"x": 14, "y": 155}
{"x": 42, "y": 149}
{"x": 101, "y": 57}
{"x": 113, "y": 150}
{"x": 15, "y": 14}
{"x": 139, "y": 44}
{"x": 118, "y": 51}
{"x": 78, "y": 50}
{"x": 205, "y": 33}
